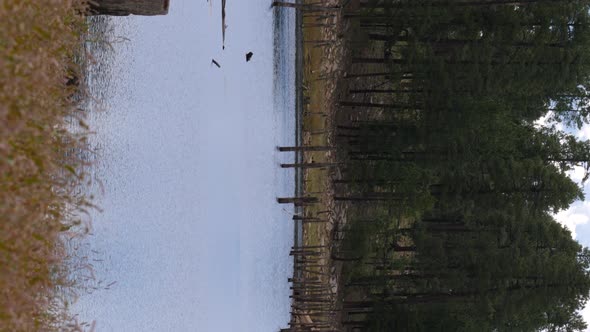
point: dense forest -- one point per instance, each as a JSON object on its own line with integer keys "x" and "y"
{"x": 450, "y": 181}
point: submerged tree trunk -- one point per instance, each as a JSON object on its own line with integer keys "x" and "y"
{"x": 129, "y": 7}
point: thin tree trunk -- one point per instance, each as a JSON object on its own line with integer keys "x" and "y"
{"x": 304, "y": 148}
{"x": 296, "y": 200}
{"x": 309, "y": 165}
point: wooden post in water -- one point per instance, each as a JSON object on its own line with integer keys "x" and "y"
{"x": 128, "y": 7}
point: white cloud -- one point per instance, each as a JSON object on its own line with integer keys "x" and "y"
{"x": 577, "y": 214}
{"x": 586, "y": 314}
{"x": 544, "y": 120}
{"x": 572, "y": 217}
{"x": 576, "y": 174}
{"x": 584, "y": 132}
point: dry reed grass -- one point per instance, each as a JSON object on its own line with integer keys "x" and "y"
{"x": 39, "y": 161}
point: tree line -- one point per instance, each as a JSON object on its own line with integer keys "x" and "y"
{"x": 450, "y": 181}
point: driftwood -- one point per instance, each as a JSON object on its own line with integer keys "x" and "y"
{"x": 128, "y": 7}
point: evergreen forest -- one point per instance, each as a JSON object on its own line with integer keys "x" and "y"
{"x": 450, "y": 179}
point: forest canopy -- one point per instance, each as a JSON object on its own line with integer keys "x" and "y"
{"x": 451, "y": 183}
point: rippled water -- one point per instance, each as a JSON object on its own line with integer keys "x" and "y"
{"x": 190, "y": 229}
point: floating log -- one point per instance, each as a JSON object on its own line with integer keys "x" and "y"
{"x": 128, "y": 7}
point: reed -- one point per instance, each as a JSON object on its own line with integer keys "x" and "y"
{"x": 40, "y": 161}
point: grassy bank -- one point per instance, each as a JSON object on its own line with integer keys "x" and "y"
{"x": 315, "y": 289}
{"x": 39, "y": 160}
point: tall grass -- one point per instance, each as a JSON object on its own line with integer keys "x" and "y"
{"x": 39, "y": 163}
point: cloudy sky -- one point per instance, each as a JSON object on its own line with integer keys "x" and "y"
{"x": 577, "y": 217}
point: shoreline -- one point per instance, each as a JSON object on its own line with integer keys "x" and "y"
{"x": 315, "y": 278}
{"x": 298, "y": 225}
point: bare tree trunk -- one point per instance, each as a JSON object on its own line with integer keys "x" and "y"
{"x": 304, "y": 148}
{"x": 309, "y": 165}
{"x": 297, "y": 200}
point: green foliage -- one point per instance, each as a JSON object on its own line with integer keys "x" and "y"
{"x": 459, "y": 182}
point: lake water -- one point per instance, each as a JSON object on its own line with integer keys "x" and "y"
{"x": 190, "y": 229}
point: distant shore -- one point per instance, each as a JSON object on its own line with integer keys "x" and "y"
{"x": 315, "y": 80}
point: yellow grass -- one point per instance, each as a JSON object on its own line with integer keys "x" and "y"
{"x": 314, "y": 123}
{"x": 38, "y": 202}
{"x": 320, "y": 69}
{"x": 319, "y": 72}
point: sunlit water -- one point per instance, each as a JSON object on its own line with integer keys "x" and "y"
{"x": 190, "y": 229}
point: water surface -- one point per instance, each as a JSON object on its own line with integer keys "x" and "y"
{"x": 190, "y": 229}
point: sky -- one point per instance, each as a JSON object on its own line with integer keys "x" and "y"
{"x": 577, "y": 217}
